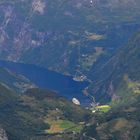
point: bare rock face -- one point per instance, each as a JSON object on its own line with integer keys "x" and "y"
{"x": 3, "y": 135}
{"x": 38, "y": 6}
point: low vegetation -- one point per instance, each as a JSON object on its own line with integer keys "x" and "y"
{"x": 101, "y": 109}
{"x": 36, "y": 112}
{"x": 63, "y": 126}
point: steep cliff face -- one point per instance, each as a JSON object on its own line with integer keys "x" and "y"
{"x": 66, "y": 36}
{"x": 120, "y": 77}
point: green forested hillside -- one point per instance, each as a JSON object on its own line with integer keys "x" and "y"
{"x": 32, "y": 115}
{"x": 14, "y": 81}
{"x": 122, "y": 122}
{"x": 78, "y": 38}
{"x": 119, "y": 79}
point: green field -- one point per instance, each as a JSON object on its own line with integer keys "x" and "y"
{"x": 58, "y": 126}
{"x": 102, "y": 109}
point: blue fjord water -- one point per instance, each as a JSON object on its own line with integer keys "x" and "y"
{"x": 64, "y": 85}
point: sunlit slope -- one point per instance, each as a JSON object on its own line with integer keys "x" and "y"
{"x": 122, "y": 122}
{"x": 36, "y": 113}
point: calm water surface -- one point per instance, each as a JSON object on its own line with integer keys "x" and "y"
{"x": 64, "y": 85}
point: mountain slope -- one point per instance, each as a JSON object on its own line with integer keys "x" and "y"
{"x": 122, "y": 122}
{"x": 120, "y": 77}
{"x": 14, "y": 81}
{"x": 83, "y": 33}
{"x": 119, "y": 81}
{"x": 36, "y": 113}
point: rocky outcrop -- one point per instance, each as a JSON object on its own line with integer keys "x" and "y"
{"x": 3, "y": 135}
